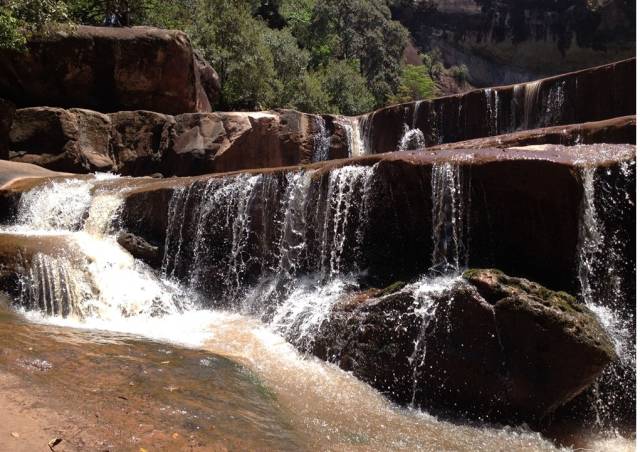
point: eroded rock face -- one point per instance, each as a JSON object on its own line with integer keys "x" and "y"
{"x": 62, "y": 140}
{"x": 109, "y": 69}
{"x": 143, "y": 143}
{"x": 484, "y": 344}
{"x": 510, "y": 41}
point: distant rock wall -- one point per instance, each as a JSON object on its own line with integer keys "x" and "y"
{"x": 513, "y": 41}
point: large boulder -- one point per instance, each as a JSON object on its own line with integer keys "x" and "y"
{"x": 485, "y": 344}
{"x": 109, "y": 69}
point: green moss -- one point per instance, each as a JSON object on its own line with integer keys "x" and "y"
{"x": 392, "y": 288}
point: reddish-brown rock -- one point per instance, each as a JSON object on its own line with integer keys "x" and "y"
{"x": 482, "y": 345}
{"x": 109, "y": 69}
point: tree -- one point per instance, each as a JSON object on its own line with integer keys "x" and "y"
{"x": 415, "y": 84}
{"x": 311, "y": 96}
{"x": 346, "y": 88}
{"x": 290, "y": 64}
{"x": 19, "y": 19}
{"x": 361, "y": 30}
{"x": 231, "y": 39}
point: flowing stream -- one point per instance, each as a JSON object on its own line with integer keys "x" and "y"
{"x": 307, "y": 262}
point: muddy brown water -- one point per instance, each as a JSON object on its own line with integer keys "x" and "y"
{"x": 125, "y": 393}
{"x": 244, "y": 388}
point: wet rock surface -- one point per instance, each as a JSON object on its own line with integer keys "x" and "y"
{"x": 523, "y": 214}
{"x": 485, "y": 344}
{"x": 617, "y": 130}
{"x": 593, "y": 94}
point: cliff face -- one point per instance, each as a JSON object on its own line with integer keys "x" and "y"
{"x": 510, "y": 41}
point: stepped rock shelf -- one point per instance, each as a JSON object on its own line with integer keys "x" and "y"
{"x": 143, "y": 143}
{"x": 350, "y": 238}
{"x": 375, "y": 220}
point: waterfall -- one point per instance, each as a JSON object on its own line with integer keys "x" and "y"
{"x": 321, "y": 141}
{"x": 531, "y": 94}
{"x": 52, "y": 287}
{"x": 353, "y": 135}
{"x": 411, "y": 139}
{"x": 257, "y": 234}
{"x": 554, "y": 104}
{"x": 366, "y": 133}
{"x": 449, "y": 207}
{"x": 493, "y": 110}
{"x": 426, "y": 293}
{"x": 346, "y": 198}
{"x": 601, "y": 274}
{"x": 95, "y": 277}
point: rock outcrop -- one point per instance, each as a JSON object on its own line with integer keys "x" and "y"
{"x": 109, "y": 69}
{"x": 485, "y": 344}
{"x": 142, "y": 143}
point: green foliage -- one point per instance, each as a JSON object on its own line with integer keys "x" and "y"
{"x": 340, "y": 56}
{"x": 460, "y": 73}
{"x": 159, "y": 13}
{"x": 19, "y": 19}
{"x": 362, "y": 30}
{"x": 415, "y": 85}
{"x": 311, "y": 95}
{"x": 232, "y": 41}
{"x": 433, "y": 62}
{"x": 347, "y": 89}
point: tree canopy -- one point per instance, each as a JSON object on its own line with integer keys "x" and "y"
{"x": 339, "y": 56}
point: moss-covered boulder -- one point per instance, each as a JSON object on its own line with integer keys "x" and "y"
{"x": 484, "y": 344}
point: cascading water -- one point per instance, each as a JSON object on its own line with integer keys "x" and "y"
{"x": 493, "y": 110}
{"x": 309, "y": 253}
{"x": 449, "y": 207}
{"x": 554, "y": 104}
{"x": 321, "y": 141}
{"x": 95, "y": 278}
{"x": 353, "y": 135}
{"x": 412, "y": 137}
{"x": 531, "y": 94}
{"x": 601, "y": 273}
